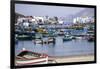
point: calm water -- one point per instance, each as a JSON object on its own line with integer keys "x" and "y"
{"x": 60, "y": 48}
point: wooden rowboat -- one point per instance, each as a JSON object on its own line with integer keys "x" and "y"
{"x": 30, "y": 58}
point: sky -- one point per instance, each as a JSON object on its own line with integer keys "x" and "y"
{"x": 43, "y": 10}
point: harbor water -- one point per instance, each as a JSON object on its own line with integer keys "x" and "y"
{"x": 60, "y": 48}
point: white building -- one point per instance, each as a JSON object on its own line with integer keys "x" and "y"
{"x": 85, "y": 19}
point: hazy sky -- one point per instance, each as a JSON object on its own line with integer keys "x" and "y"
{"x": 41, "y": 10}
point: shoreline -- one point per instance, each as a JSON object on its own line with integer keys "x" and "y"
{"x": 68, "y": 59}
{"x": 70, "y": 56}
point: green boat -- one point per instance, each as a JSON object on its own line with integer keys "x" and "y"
{"x": 25, "y": 37}
{"x": 67, "y": 38}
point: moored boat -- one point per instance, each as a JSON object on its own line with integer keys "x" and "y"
{"x": 78, "y": 37}
{"x": 25, "y": 37}
{"x": 90, "y": 39}
{"x": 38, "y": 41}
{"x": 51, "y": 40}
{"x": 45, "y": 40}
{"x": 30, "y": 58}
{"x": 61, "y": 33}
{"x": 90, "y": 36}
{"x": 67, "y": 38}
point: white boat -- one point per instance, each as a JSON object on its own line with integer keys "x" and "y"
{"x": 38, "y": 41}
{"x": 45, "y": 40}
{"x": 79, "y": 37}
{"x": 51, "y": 40}
{"x": 67, "y": 38}
{"x": 30, "y": 58}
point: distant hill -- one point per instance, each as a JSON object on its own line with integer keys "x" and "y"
{"x": 86, "y": 12}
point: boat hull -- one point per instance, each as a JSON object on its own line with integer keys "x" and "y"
{"x": 32, "y": 62}
{"x": 65, "y": 39}
{"x": 30, "y": 58}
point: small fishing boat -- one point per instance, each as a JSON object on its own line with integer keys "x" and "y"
{"x": 79, "y": 37}
{"x": 90, "y": 39}
{"x": 48, "y": 40}
{"x": 45, "y": 40}
{"x": 38, "y": 41}
{"x": 30, "y": 58}
{"x": 25, "y": 37}
{"x": 61, "y": 33}
{"x": 90, "y": 36}
{"x": 67, "y": 38}
{"x": 38, "y": 36}
{"x": 51, "y": 40}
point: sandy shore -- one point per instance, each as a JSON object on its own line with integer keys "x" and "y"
{"x": 80, "y": 58}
